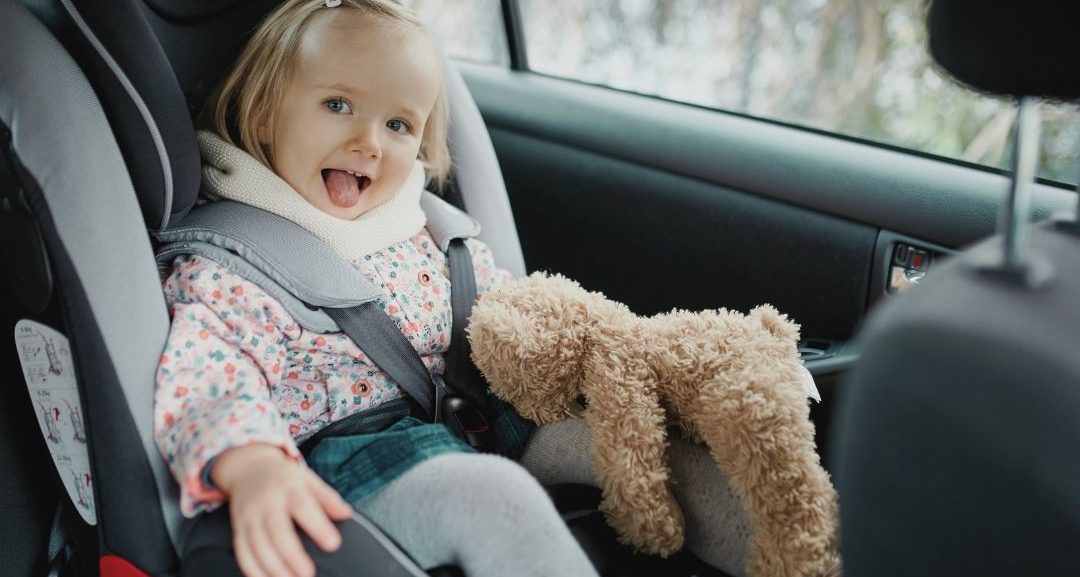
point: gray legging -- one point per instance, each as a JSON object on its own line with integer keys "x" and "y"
{"x": 483, "y": 513}
{"x": 492, "y": 518}
{"x": 717, "y": 528}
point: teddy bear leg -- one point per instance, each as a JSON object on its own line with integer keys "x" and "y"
{"x": 629, "y": 438}
{"x": 717, "y": 528}
{"x": 760, "y": 435}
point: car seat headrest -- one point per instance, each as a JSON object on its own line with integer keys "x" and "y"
{"x": 153, "y": 65}
{"x": 178, "y": 10}
{"x": 1014, "y": 47}
{"x": 116, "y": 47}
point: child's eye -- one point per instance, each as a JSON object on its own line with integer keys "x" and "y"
{"x": 338, "y": 105}
{"x": 398, "y": 126}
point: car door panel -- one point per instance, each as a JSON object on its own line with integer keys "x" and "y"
{"x": 662, "y": 205}
{"x": 657, "y": 240}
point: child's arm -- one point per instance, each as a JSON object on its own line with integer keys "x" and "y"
{"x": 213, "y": 381}
{"x": 227, "y": 345}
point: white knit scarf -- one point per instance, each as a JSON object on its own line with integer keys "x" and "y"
{"x": 233, "y": 174}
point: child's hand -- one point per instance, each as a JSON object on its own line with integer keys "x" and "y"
{"x": 268, "y": 493}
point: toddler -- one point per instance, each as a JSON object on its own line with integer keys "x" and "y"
{"x": 331, "y": 117}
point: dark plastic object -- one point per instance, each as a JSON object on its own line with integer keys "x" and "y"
{"x": 188, "y": 11}
{"x": 25, "y": 260}
{"x": 468, "y": 423}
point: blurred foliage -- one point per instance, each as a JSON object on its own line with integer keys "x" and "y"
{"x": 856, "y": 67}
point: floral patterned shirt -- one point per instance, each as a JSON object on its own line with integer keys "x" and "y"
{"x": 238, "y": 369}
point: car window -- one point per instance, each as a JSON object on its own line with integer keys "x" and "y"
{"x": 852, "y": 67}
{"x": 470, "y": 30}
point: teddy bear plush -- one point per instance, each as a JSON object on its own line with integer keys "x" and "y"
{"x": 729, "y": 380}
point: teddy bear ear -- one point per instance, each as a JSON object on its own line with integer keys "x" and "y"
{"x": 774, "y": 322}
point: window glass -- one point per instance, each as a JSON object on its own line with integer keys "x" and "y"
{"x": 470, "y": 30}
{"x": 856, "y": 67}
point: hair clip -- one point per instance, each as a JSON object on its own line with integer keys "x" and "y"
{"x": 333, "y": 3}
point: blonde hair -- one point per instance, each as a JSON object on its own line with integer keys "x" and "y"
{"x": 244, "y": 106}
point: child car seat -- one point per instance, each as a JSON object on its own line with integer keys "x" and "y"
{"x": 84, "y": 178}
{"x": 76, "y": 240}
{"x": 80, "y": 264}
{"x": 78, "y": 176}
{"x": 958, "y": 447}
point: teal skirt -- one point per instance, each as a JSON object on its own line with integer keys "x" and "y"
{"x": 358, "y": 466}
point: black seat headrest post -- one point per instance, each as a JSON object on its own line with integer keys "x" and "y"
{"x": 1025, "y": 49}
{"x": 25, "y": 258}
{"x": 1016, "y": 264}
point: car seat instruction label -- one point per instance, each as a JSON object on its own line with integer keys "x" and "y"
{"x": 50, "y": 375}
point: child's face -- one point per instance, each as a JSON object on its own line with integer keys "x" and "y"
{"x": 359, "y": 95}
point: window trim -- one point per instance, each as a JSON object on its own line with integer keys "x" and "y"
{"x": 882, "y": 186}
{"x": 515, "y": 42}
{"x": 515, "y": 35}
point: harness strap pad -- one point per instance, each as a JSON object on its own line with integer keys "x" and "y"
{"x": 311, "y": 318}
{"x": 287, "y": 261}
{"x": 283, "y": 251}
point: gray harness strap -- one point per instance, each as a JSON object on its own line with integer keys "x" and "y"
{"x": 325, "y": 293}
{"x": 376, "y": 334}
{"x": 460, "y": 370}
{"x": 284, "y": 252}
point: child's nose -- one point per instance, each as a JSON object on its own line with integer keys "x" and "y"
{"x": 366, "y": 142}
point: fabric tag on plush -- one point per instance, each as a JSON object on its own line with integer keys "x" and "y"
{"x": 809, "y": 386}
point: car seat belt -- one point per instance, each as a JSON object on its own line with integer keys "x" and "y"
{"x": 459, "y": 403}
{"x": 473, "y": 416}
{"x": 461, "y": 372}
{"x": 375, "y": 333}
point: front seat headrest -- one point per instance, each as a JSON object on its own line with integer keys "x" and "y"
{"x": 1015, "y": 47}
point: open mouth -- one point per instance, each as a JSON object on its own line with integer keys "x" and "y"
{"x": 344, "y": 187}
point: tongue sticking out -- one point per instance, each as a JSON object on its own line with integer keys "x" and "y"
{"x": 343, "y": 187}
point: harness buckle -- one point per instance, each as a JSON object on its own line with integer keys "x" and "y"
{"x": 464, "y": 419}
